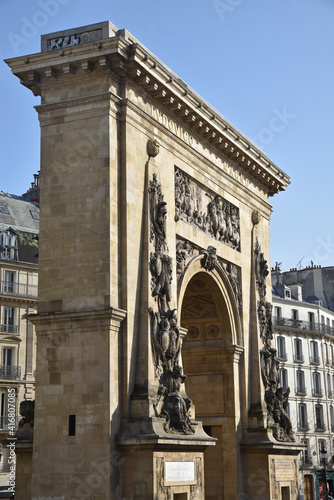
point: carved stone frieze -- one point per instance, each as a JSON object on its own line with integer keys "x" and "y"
{"x": 276, "y": 397}
{"x": 205, "y": 210}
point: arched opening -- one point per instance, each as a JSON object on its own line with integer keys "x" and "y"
{"x": 211, "y": 363}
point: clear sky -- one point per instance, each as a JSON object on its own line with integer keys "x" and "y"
{"x": 253, "y": 60}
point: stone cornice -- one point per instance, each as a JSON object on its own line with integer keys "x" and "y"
{"x": 129, "y": 59}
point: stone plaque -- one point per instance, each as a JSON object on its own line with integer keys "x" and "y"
{"x": 284, "y": 471}
{"x": 176, "y": 472}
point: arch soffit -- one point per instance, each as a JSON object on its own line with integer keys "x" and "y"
{"x": 222, "y": 281}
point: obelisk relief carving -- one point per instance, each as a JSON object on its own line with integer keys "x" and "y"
{"x": 165, "y": 331}
{"x": 276, "y": 397}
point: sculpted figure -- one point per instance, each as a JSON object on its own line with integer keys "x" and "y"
{"x": 27, "y": 410}
{"x": 165, "y": 340}
{"x": 209, "y": 259}
{"x": 161, "y": 269}
{"x": 175, "y": 408}
{"x": 280, "y": 415}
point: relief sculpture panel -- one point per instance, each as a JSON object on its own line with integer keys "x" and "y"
{"x": 208, "y": 211}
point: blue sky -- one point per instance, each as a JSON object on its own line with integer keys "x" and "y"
{"x": 251, "y": 60}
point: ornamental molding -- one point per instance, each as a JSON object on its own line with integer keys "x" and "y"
{"x": 124, "y": 56}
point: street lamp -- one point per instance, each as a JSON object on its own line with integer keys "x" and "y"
{"x": 323, "y": 455}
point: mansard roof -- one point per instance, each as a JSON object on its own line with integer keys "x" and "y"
{"x": 119, "y": 52}
{"x": 18, "y": 214}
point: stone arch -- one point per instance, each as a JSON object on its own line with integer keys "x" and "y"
{"x": 221, "y": 280}
{"x": 211, "y": 356}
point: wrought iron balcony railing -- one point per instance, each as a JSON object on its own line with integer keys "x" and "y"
{"x": 13, "y": 329}
{"x": 18, "y": 289}
{"x": 303, "y": 325}
{"x": 10, "y": 372}
{"x": 316, "y": 392}
{"x": 298, "y": 358}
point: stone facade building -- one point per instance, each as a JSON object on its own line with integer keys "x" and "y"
{"x": 156, "y": 376}
{"x": 304, "y": 339}
{"x": 19, "y": 220}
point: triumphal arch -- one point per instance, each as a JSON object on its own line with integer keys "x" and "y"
{"x": 156, "y": 375}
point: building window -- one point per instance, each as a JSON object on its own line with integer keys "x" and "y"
{"x": 331, "y": 416}
{"x": 8, "y": 370}
{"x": 302, "y": 417}
{"x": 8, "y": 248}
{"x": 287, "y": 293}
{"x": 319, "y": 418}
{"x": 8, "y": 324}
{"x": 305, "y": 454}
{"x": 34, "y": 215}
{"x": 301, "y": 389}
{"x": 314, "y": 353}
{"x": 4, "y": 410}
{"x": 329, "y": 386}
{"x": 4, "y": 209}
{"x": 311, "y": 320}
{"x": 283, "y": 378}
{"x": 8, "y": 284}
{"x": 298, "y": 354}
{"x": 317, "y": 384}
{"x": 321, "y": 446}
{"x": 278, "y": 312}
{"x": 281, "y": 352}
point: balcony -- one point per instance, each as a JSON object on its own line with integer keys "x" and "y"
{"x": 10, "y": 329}
{"x": 303, "y": 325}
{"x": 18, "y": 289}
{"x": 320, "y": 426}
{"x": 10, "y": 372}
{"x": 301, "y": 390}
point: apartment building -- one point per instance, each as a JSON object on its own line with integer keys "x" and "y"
{"x": 304, "y": 339}
{"x": 19, "y": 220}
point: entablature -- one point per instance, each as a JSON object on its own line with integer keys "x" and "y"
{"x": 126, "y": 58}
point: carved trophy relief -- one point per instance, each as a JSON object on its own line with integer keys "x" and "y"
{"x": 276, "y": 397}
{"x": 218, "y": 217}
{"x": 158, "y": 216}
{"x": 164, "y": 327}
